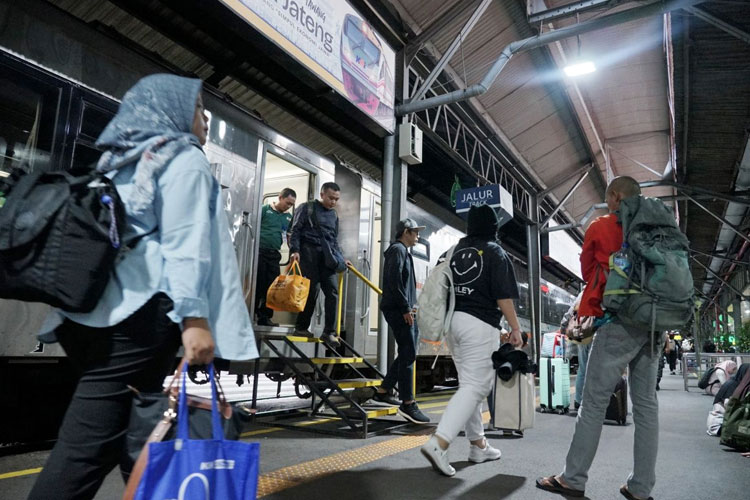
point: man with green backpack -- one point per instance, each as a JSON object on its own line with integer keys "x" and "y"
{"x": 648, "y": 289}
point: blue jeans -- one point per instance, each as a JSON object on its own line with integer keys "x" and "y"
{"x": 583, "y": 358}
{"x": 402, "y": 368}
{"x": 616, "y": 347}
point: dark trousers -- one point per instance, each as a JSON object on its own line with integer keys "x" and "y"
{"x": 139, "y": 352}
{"x": 672, "y": 357}
{"x": 313, "y": 268}
{"x": 268, "y": 270}
{"x": 402, "y": 368}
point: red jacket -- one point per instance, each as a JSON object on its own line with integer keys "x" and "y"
{"x": 602, "y": 239}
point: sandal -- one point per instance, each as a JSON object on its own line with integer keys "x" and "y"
{"x": 553, "y": 485}
{"x": 624, "y": 491}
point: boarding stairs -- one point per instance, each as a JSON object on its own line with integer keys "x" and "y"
{"x": 339, "y": 400}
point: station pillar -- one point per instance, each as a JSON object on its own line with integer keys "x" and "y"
{"x": 534, "y": 270}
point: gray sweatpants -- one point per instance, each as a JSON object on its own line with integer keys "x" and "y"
{"x": 616, "y": 347}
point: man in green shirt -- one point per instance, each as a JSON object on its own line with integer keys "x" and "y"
{"x": 274, "y": 225}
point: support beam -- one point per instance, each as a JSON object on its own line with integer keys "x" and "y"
{"x": 448, "y": 54}
{"x": 386, "y": 200}
{"x": 571, "y": 9}
{"x": 721, "y": 219}
{"x": 541, "y": 40}
{"x": 533, "y": 259}
{"x": 582, "y": 170}
{"x": 720, "y": 23}
{"x": 450, "y": 15}
{"x": 583, "y": 222}
{"x": 728, "y": 259}
{"x": 715, "y": 275}
{"x": 566, "y": 197}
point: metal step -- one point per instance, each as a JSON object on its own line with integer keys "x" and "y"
{"x": 293, "y": 338}
{"x": 335, "y": 361}
{"x": 352, "y": 383}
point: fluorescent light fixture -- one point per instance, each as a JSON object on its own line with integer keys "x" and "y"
{"x": 581, "y": 68}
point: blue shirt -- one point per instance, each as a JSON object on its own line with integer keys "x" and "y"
{"x": 186, "y": 253}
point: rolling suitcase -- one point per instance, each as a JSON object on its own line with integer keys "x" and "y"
{"x": 618, "y": 403}
{"x": 554, "y": 385}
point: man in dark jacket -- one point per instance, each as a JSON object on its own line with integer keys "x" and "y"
{"x": 314, "y": 221}
{"x": 397, "y": 304}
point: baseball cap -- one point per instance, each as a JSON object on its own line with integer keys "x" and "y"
{"x": 407, "y": 223}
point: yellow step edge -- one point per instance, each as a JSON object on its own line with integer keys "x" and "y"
{"x": 295, "y": 338}
{"x": 335, "y": 361}
{"x": 356, "y": 383}
{"x": 382, "y": 412}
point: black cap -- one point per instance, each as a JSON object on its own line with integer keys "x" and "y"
{"x": 405, "y": 224}
{"x": 482, "y": 221}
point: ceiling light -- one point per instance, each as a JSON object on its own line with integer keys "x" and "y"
{"x": 580, "y": 68}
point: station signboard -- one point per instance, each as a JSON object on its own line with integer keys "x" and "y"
{"x": 333, "y": 41}
{"x": 493, "y": 195}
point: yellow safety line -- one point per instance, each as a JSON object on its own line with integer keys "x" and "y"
{"x": 295, "y": 475}
{"x": 19, "y": 473}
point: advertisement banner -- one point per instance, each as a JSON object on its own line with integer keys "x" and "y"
{"x": 332, "y": 40}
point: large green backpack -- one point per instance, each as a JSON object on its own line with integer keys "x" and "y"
{"x": 735, "y": 430}
{"x": 657, "y": 291}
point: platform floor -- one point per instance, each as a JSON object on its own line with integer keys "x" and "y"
{"x": 302, "y": 465}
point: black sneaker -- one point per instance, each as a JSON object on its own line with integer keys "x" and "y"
{"x": 412, "y": 413}
{"x": 385, "y": 397}
{"x": 577, "y": 404}
{"x": 266, "y": 322}
{"x": 331, "y": 339}
{"x": 304, "y": 333}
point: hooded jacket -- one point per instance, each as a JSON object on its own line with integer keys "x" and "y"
{"x": 399, "y": 281}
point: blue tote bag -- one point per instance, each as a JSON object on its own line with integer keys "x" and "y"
{"x": 200, "y": 469}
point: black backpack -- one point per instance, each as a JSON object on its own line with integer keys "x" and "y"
{"x": 59, "y": 237}
{"x": 703, "y": 382}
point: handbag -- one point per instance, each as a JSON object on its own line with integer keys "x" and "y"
{"x": 289, "y": 291}
{"x": 186, "y": 468}
{"x": 59, "y": 237}
{"x": 581, "y": 329}
{"x": 515, "y": 402}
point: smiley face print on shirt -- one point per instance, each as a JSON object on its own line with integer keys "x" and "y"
{"x": 466, "y": 265}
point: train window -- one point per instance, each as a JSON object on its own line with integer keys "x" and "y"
{"x": 93, "y": 121}
{"x": 421, "y": 250}
{"x": 27, "y": 120}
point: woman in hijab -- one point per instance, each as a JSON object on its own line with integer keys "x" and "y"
{"x": 484, "y": 287}
{"x": 178, "y": 283}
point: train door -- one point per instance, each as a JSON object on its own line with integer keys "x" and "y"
{"x": 371, "y": 264}
{"x": 279, "y": 173}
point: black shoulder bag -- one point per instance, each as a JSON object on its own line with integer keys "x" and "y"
{"x": 331, "y": 253}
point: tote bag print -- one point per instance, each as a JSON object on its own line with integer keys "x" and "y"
{"x": 200, "y": 469}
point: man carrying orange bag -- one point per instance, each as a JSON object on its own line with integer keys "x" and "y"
{"x": 289, "y": 291}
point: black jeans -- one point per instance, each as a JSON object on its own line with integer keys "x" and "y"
{"x": 672, "y": 358}
{"x": 139, "y": 352}
{"x": 313, "y": 268}
{"x": 402, "y": 369}
{"x": 268, "y": 270}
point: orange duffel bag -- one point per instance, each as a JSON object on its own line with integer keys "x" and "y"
{"x": 289, "y": 291}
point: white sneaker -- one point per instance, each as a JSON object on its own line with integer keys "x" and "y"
{"x": 437, "y": 457}
{"x": 479, "y": 455}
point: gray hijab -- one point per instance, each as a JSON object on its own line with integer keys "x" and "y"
{"x": 153, "y": 125}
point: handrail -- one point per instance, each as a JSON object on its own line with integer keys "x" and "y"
{"x": 341, "y": 293}
{"x": 364, "y": 278}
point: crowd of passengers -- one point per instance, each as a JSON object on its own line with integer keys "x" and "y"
{"x": 179, "y": 285}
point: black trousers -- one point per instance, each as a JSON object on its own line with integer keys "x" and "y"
{"x": 402, "y": 368}
{"x": 139, "y": 352}
{"x": 672, "y": 358}
{"x": 313, "y": 268}
{"x": 268, "y": 270}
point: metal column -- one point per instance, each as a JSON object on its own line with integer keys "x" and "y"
{"x": 534, "y": 269}
{"x": 386, "y": 200}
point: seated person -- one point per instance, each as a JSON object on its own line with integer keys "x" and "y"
{"x": 721, "y": 374}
